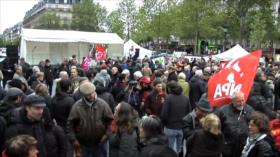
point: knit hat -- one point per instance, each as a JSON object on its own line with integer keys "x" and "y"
{"x": 87, "y": 88}
{"x": 203, "y": 104}
{"x": 34, "y": 100}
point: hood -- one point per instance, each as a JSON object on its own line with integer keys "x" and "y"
{"x": 176, "y": 90}
{"x": 7, "y": 106}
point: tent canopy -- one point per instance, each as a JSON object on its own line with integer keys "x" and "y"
{"x": 37, "y": 45}
{"x": 57, "y": 36}
{"x": 235, "y": 52}
{"x": 130, "y": 47}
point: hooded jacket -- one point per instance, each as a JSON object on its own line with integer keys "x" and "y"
{"x": 175, "y": 107}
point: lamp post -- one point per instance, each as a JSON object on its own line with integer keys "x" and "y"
{"x": 225, "y": 36}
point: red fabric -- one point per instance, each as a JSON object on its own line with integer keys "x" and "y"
{"x": 236, "y": 75}
{"x": 4, "y": 154}
{"x": 275, "y": 132}
{"x": 100, "y": 53}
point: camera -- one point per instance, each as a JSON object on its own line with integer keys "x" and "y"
{"x": 132, "y": 82}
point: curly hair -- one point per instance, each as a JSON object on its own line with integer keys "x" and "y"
{"x": 261, "y": 121}
{"x": 124, "y": 117}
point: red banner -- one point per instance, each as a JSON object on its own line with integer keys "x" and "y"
{"x": 101, "y": 53}
{"x": 236, "y": 75}
{"x": 86, "y": 63}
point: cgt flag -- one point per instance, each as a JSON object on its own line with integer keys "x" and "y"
{"x": 101, "y": 52}
{"x": 236, "y": 75}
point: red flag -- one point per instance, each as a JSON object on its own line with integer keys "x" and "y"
{"x": 100, "y": 53}
{"x": 236, "y": 75}
{"x": 86, "y": 63}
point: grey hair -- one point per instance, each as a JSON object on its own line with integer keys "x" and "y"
{"x": 198, "y": 73}
{"x": 62, "y": 74}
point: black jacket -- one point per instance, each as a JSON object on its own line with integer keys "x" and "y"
{"x": 124, "y": 144}
{"x": 157, "y": 147}
{"x": 205, "y": 144}
{"x": 197, "y": 88}
{"x": 175, "y": 107}
{"x": 61, "y": 107}
{"x": 191, "y": 123}
{"x": 262, "y": 149}
{"x": 20, "y": 124}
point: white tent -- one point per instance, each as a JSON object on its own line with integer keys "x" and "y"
{"x": 37, "y": 45}
{"x": 235, "y": 52}
{"x": 130, "y": 47}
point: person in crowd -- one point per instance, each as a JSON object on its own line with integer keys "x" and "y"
{"x": 259, "y": 103}
{"x": 175, "y": 107}
{"x": 89, "y": 122}
{"x": 39, "y": 79}
{"x": 183, "y": 84}
{"x": 19, "y": 73}
{"x": 29, "y": 120}
{"x": 8, "y": 70}
{"x": 208, "y": 141}
{"x": 74, "y": 77}
{"x": 132, "y": 96}
{"x": 20, "y": 85}
{"x": 49, "y": 74}
{"x": 114, "y": 76}
{"x": 63, "y": 75}
{"x": 197, "y": 87}
{"x": 33, "y": 77}
{"x": 77, "y": 94}
{"x": 137, "y": 75}
{"x": 25, "y": 67}
{"x": 124, "y": 139}
{"x": 192, "y": 120}
{"x": 260, "y": 79}
{"x": 146, "y": 70}
{"x": 21, "y": 146}
{"x": 258, "y": 141}
{"x": 235, "y": 119}
{"x": 118, "y": 89}
{"x": 11, "y": 101}
{"x": 103, "y": 93}
{"x": 156, "y": 98}
{"x": 153, "y": 141}
{"x": 172, "y": 74}
{"x": 103, "y": 77}
{"x": 42, "y": 90}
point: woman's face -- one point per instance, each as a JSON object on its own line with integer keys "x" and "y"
{"x": 33, "y": 152}
{"x": 253, "y": 128}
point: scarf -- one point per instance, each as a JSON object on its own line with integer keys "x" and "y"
{"x": 251, "y": 143}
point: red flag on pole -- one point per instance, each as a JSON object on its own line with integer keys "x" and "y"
{"x": 236, "y": 75}
{"x": 100, "y": 53}
{"x": 86, "y": 63}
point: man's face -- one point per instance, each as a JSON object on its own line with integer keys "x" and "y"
{"x": 239, "y": 102}
{"x": 34, "y": 113}
{"x": 114, "y": 70}
{"x": 91, "y": 97}
{"x": 74, "y": 73}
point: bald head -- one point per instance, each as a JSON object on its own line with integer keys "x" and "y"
{"x": 238, "y": 100}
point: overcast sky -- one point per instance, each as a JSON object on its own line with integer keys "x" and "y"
{"x": 13, "y": 11}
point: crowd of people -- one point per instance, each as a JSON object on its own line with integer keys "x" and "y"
{"x": 134, "y": 108}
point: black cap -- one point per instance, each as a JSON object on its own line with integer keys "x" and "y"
{"x": 34, "y": 100}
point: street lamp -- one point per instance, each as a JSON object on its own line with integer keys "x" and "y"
{"x": 225, "y": 35}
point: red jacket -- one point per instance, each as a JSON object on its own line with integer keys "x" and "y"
{"x": 275, "y": 132}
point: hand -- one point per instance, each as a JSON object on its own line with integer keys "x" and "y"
{"x": 104, "y": 139}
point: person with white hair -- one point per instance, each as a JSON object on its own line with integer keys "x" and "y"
{"x": 63, "y": 75}
{"x": 197, "y": 87}
{"x": 183, "y": 84}
{"x": 137, "y": 75}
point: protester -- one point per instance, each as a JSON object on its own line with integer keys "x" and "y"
{"x": 258, "y": 141}
{"x": 208, "y": 141}
{"x": 124, "y": 139}
{"x": 154, "y": 142}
